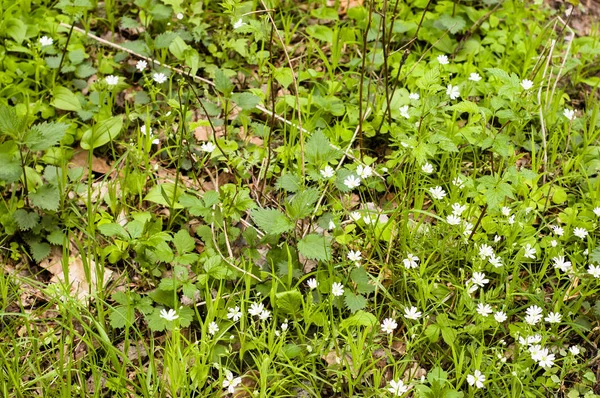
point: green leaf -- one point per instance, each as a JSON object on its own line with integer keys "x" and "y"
{"x": 113, "y": 229}
{"x": 222, "y": 83}
{"x": 178, "y": 48}
{"x": 321, "y": 32}
{"x": 354, "y": 302}
{"x": 289, "y": 302}
{"x": 39, "y": 250}
{"x": 315, "y": 247}
{"x": 318, "y": 150}
{"x": 430, "y": 81}
{"x": 26, "y": 220}
{"x": 272, "y": 221}
{"x": 246, "y": 101}
{"x": 453, "y": 24}
{"x": 10, "y": 122}
{"x": 289, "y": 182}
{"x": 45, "y": 135}
{"x": 46, "y": 197}
{"x": 163, "y": 194}
{"x": 302, "y": 204}
{"x": 184, "y": 243}
{"x": 16, "y": 29}
{"x": 121, "y": 316}
{"x": 65, "y": 99}
{"x": 361, "y": 318}
{"x": 362, "y": 280}
{"x": 164, "y": 40}
{"x": 433, "y": 332}
{"x": 284, "y": 76}
{"x": 466, "y": 106}
{"x": 11, "y": 167}
{"x": 102, "y": 133}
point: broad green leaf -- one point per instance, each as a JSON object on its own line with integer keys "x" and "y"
{"x": 289, "y": 182}
{"x": 315, "y": 247}
{"x": 164, "y": 194}
{"x": 16, "y": 29}
{"x": 354, "y": 302}
{"x": 39, "y": 250}
{"x": 289, "y": 302}
{"x": 271, "y": 221}
{"x": 302, "y": 204}
{"x": 284, "y": 76}
{"x": 178, "y": 47}
{"x": 361, "y": 278}
{"x": 102, "y": 133}
{"x": 10, "y": 122}
{"x": 222, "y": 83}
{"x": 246, "y": 101}
{"x": 65, "y": 99}
{"x": 46, "y": 197}
{"x": 9, "y": 159}
{"x": 321, "y": 32}
{"x": 164, "y": 40}
{"x": 26, "y": 220}
{"x": 45, "y": 135}
{"x": 183, "y": 242}
{"x": 361, "y": 318}
{"x": 113, "y": 229}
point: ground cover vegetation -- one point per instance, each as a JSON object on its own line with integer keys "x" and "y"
{"x": 308, "y": 199}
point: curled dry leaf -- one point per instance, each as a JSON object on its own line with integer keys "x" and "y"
{"x": 81, "y": 287}
{"x": 80, "y": 159}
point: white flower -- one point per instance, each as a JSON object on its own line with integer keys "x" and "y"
{"x": 476, "y": 379}
{"x": 364, "y": 172}
{"x": 500, "y": 316}
{"x": 179, "y": 16}
{"x": 557, "y": 230}
{"x": 458, "y": 182}
{"x": 312, "y": 283}
{"x": 452, "y": 91}
{"x": 437, "y": 192}
{"x": 594, "y": 270}
{"x": 505, "y": 211}
{"x": 581, "y": 233}
{"x": 596, "y": 211}
{"x": 337, "y": 289}
{"x": 479, "y": 279}
{"x": 474, "y": 77}
{"x": 574, "y": 350}
{"x": 560, "y": 263}
{"x": 397, "y": 387}
{"x": 411, "y": 261}
{"x": 170, "y": 315}
{"x": 264, "y": 315}
{"x": 443, "y": 59}
{"x": 553, "y": 317}
{"x": 256, "y": 309}
{"x": 238, "y": 24}
{"x": 536, "y": 352}
{"x": 112, "y": 80}
{"x": 497, "y": 238}
{"x": 412, "y": 313}
{"x": 230, "y": 382}
{"x": 141, "y": 65}
{"x": 327, "y": 172}
{"x": 208, "y": 147}
{"x": 414, "y": 96}
{"x": 485, "y": 251}
{"x": 468, "y": 228}
{"x": 355, "y": 216}
{"x": 284, "y": 325}
{"x": 159, "y": 77}
{"x": 529, "y": 252}
{"x": 569, "y": 114}
{"x": 496, "y": 261}
{"x": 453, "y": 219}
{"x": 553, "y": 243}
{"x": 526, "y": 84}
{"x": 534, "y": 315}
{"x": 234, "y": 313}
{"x": 427, "y": 168}
{"x": 352, "y": 181}
{"x": 46, "y": 41}
{"x": 484, "y": 309}
{"x": 331, "y": 225}
{"x": 213, "y": 328}
{"x": 354, "y": 255}
{"x": 388, "y": 325}
{"x": 546, "y": 360}
{"x": 511, "y": 219}
{"x": 404, "y": 112}
{"x": 458, "y": 209}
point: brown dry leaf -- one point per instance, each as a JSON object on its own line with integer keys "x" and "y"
{"x": 399, "y": 347}
{"x": 332, "y": 358}
{"x": 415, "y": 372}
{"x": 99, "y": 165}
{"x": 204, "y": 133}
{"x": 80, "y": 286}
{"x": 248, "y": 385}
{"x": 252, "y": 139}
{"x": 345, "y": 5}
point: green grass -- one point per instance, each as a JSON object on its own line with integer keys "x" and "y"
{"x": 300, "y": 206}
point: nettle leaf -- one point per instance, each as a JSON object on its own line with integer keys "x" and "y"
{"x": 302, "y": 204}
{"x": 315, "y": 247}
{"x": 318, "y": 150}
{"x": 246, "y": 101}
{"x": 289, "y": 182}
{"x": 272, "y": 221}
{"x": 164, "y": 40}
{"x": 183, "y": 242}
{"x": 65, "y": 99}
{"x": 10, "y": 122}
{"x": 222, "y": 83}
{"x": 9, "y": 159}
{"x": 26, "y": 220}
{"x": 102, "y": 133}
{"x": 121, "y": 316}
{"x": 284, "y": 76}
{"x": 362, "y": 280}
{"x": 46, "y": 197}
{"x": 361, "y": 318}
{"x": 453, "y": 24}
{"x": 430, "y": 81}
{"x": 45, "y": 135}
{"x": 39, "y": 250}
{"x": 354, "y": 302}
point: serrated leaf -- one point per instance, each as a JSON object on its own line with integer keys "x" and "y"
{"x": 46, "y": 197}
{"x": 354, "y": 302}
{"x": 430, "y": 80}
{"x": 26, "y": 220}
{"x": 10, "y": 122}
{"x": 39, "y": 250}
{"x": 453, "y": 24}
{"x": 246, "y": 101}
{"x": 272, "y": 221}
{"x": 466, "y": 106}
{"x": 433, "y": 332}
{"x": 289, "y": 302}
{"x": 222, "y": 83}
{"x": 11, "y": 167}
{"x": 361, "y": 278}
{"x": 164, "y": 40}
{"x": 113, "y": 229}
{"x": 318, "y": 150}
{"x": 65, "y": 99}
{"x": 302, "y": 204}
{"x": 361, "y": 318}
{"x": 289, "y": 182}
{"x": 45, "y": 135}
{"x": 183, "y": 242}
{"x": 102, "y": 133}
{"x": 315, "y": 247}
{"x": 85, "y": 70}
{"x": 121, "y": 316}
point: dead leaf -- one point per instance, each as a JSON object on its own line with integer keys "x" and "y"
{"x": 252, "y": 139}
{"x": 81, "y": 287}
{"x": 99, "y": 165}
{"x": 248, "y": 385}
{"x": 345, "y": 5}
